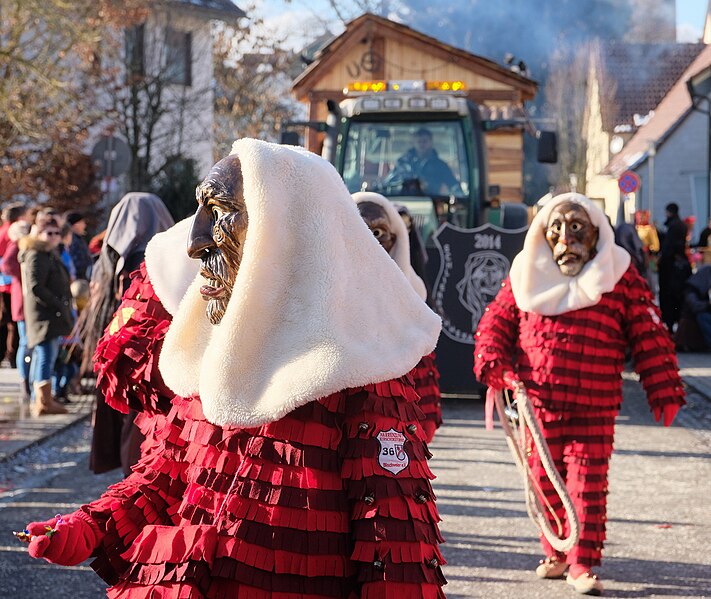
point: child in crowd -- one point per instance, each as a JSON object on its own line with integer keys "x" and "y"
{"x": 70, "y": 354}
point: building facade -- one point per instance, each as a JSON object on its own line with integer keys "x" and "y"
{"x": 375, "y": 48}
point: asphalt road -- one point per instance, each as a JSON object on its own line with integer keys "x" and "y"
{"x": 659, "y": 533}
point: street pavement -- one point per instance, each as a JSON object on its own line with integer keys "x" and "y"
{"x": 659, "y": 511}
{"x": 19, "y": 431}
{"x": 659, "y": 527}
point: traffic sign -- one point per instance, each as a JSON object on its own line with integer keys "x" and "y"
{"x": 629, "y": 182}
{"x": 111, "y": 156}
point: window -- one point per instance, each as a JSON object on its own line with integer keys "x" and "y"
{"x": 178, "y": 57}
{"x": 406, "y": 160}
{"x": 135, "y": 50}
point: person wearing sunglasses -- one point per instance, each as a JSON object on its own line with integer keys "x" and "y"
{"x": 47, "y": 301}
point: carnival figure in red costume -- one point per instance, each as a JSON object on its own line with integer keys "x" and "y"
{"x": 389, "y": 229}
{"x": 561, "y": 325}
{"x": 285, "y": 456}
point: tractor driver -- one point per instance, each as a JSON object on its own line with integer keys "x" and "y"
{"x": 422, "y": 170}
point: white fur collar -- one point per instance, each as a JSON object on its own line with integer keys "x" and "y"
{"x": 401, "y": 250}
{"x": 536, "y": 281}
{"x": 169, "y": 267}
{"x": 317, "y": 305}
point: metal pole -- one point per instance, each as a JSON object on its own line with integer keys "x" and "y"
{"x": 109, "y": 167}
{"x": 652, "y": 154}
{"x": 708, "y": 157}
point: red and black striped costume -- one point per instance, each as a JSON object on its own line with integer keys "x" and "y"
{"x": 571, "y": 365}
{"x": 426, "y": 377}
{"x": 299, "y": 508}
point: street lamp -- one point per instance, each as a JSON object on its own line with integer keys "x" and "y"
{"x": 699, "y": 88}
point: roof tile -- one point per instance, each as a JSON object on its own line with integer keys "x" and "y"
{"x": 668, "y": 113}
{"x": 642, "y": 75}
{"x": 218, "y": 8}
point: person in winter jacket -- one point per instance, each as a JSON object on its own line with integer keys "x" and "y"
{"x": 674, "y": 266}
{"x": 47, "y": 304}
{"x": 133, "y": 222}
{"x": 286, "y": 458}
{"x": 10, "y": 266}
{"x": 390, "y": 230}
{"x": 77, "y": 247}
{"x": 421, "y": 170}
{"x": 697, "y": 301}
{"x": 561, "y": 325}
{"x": 9, "y": 338}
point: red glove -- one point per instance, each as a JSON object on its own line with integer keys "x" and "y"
{"x": 670, "y": 412}
{"x": 500, "y": 378}
{"x": 511, "y": 380}
{"x": 74, "y": 539}
{"x": 498, "y": 381}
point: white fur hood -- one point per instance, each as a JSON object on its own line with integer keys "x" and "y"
{"x": 401, "y": 249}
{"x": 169, "y": 267}
{"x": 536, "y": 281}
{"x": 317, "y": 305}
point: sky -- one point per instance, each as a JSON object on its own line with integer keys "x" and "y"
{"x": 293, "y": 17}
{"x": 299, "y": 15}
{"x": 690, "y": 19}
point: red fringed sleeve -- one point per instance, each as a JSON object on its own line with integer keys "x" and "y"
{"x": 426, "y": 378}
{"x": 150, "y": 496}
{"x": 496, "y": 338}
{"x": 652, "y": 347}
{"x": 126, "y": 358}
{"x": 394, "y": 517}
{"x": 126, "y": 363}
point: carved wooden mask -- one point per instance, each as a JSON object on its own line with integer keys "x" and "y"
{"x": 218, "y": 233}
{"x": 572, "y": 237}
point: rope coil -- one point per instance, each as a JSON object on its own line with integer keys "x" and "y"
{"x": 519, "y": 424}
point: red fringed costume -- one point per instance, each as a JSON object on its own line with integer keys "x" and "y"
{"x": 571, "y": 365}
{"x": 299, "y": 508}
{"x": 426, "y": 378}
{"x": 285, "y": 454}
{"x": 393, "y": 233}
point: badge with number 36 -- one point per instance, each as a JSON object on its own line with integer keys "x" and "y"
{"x": 392, "y": 456}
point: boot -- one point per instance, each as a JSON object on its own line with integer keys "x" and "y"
{"x": 551, "y": 567}
{"x": 44, "y": 403}
{"x": 25, "y": 392}
{"x": 586, "y": 583}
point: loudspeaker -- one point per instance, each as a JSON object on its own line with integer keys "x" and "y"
{"x": 547, "y": 147}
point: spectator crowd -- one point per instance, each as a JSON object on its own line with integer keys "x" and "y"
{"x": 45, "y": 264}
{"x": 678, "y": 268}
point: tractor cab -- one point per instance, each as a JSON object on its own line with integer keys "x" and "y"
{"x": 415, "y": 143}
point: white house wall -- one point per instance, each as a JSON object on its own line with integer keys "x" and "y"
{"x": 598, "y": 143}
{"x": 682, "y": 156}
{"x": 598, "y": 186}
{"x": 195, "y": 141}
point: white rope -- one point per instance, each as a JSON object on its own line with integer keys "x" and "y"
{"x": 537, "y": 505}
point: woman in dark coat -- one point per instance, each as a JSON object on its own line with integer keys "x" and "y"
{"x": 47, "y": 304}
{"x": 133, "y": 222}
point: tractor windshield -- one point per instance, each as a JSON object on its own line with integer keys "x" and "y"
{"x": 414, "y": 163}
{"x": 424, "y": 158}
